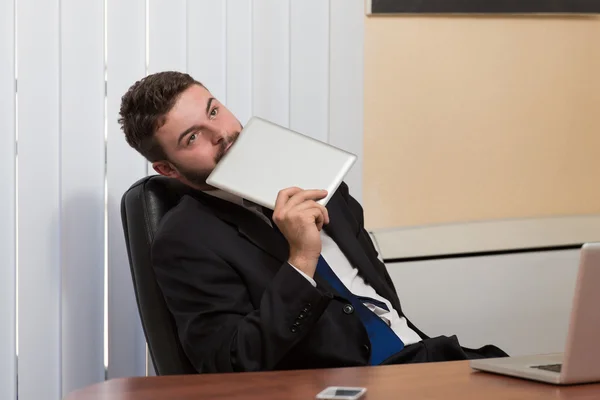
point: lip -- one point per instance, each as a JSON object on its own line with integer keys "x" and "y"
{"x": 228, "y": 146}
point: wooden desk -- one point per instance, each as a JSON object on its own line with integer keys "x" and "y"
{"x": 451, "y": 380}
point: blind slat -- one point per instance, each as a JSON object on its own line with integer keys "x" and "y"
{"x": 167, "y": 37}
{"x": 206, "y": 47}
{"x": 38, "y": 200}
{"x": 7, "y": 201}
{"x": 309, "y": 89}
{"x": 239, "y": 58}
{"x": 126, "y": 61}
{"x": 271, "y": 60}
{"x": 82, "y": 192}
{"x": 346, "y": 43}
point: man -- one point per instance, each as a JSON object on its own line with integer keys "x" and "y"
{"x": 250, "y": 291}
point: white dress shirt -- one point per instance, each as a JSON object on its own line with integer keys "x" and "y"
{"x": 340, "y": 265}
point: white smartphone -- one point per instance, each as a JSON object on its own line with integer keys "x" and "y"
{"x": 342, "y": 393}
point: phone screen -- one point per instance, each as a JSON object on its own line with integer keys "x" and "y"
{"x": 346, "y": 392}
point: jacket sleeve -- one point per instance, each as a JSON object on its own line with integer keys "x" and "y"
{"x": 219, "y": 327}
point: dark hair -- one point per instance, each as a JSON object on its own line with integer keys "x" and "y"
{"x": 145, "y": 106}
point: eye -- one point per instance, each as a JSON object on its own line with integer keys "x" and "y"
{"x": 214, "y": 112}
{"x": 192, "y": 138}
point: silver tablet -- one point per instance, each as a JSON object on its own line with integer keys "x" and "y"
{"x": 267, "y": 158}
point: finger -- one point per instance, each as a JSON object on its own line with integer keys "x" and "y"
{"x": 318, "y": 217}
{"x": 305, "y": 205}
{"x": 282, "y": 198}
{"x": 304, "y": 195}
{"x": 310, "y": 215}
{"x": 325, "y": 214}
{"x": 319, "y": 223}
{"x": 313, "y": 204}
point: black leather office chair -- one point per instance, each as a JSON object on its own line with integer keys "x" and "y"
{"x": 142, "y": 207}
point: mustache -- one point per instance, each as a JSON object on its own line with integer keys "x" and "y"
{"x": 223, "y": 145}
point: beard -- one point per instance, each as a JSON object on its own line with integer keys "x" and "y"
{"x": 198, "y": 176}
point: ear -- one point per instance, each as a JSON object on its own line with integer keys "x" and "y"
{"x": 166, "y": 169}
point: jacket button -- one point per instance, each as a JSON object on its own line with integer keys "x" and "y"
{"x": 348, "y": 309}
{"x": 293, "y": 329}
{"x": 297, "y": 323}
{"x": 366, "y": 348}
{"x": 302, "y": 315}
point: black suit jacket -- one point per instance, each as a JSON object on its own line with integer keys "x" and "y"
{"x": 238, "y": 304}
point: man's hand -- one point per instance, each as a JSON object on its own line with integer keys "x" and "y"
{"x": 300, "y": 218}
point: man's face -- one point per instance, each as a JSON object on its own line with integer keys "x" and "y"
{"x": 196, "y": 134}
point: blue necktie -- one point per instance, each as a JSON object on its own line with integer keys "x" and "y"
{"x": 384, "y": 342}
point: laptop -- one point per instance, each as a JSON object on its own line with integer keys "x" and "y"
{"x": 267, "y": 158}
{"x": 580, "y": 361}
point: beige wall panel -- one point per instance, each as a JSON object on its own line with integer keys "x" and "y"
{"x": 477, "y": 118}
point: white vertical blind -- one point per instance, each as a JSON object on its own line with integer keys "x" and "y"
{"x": 126, "y": 63}
{"x": 346, "y": 50}
{"x": 39, "y": 365}
{"x": 82, "y": 192}
{"x": 167, "y": 38}
{"x": 271, "y": 60}
{"x": 309, "y": 68}
{"x": 285, "y": 60}
{"x": 8, "y": 377}
{"x": 239, "y": 58}
{"x": 206, "y": 24}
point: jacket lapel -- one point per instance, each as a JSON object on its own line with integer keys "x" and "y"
{"x": 344, "y": 233}
{"x": 262, "y": 235}
{"x": 249, "y": 226}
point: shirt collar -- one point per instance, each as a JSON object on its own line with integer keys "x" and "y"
{"x": 235, "y": 199}
{"x": 223, "y": 195}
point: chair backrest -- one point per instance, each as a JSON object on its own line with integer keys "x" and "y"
{"x": 142, "y": 207}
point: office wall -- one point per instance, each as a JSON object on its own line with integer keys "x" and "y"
{"x": 480, "y": 118}
{"x": 519, "y": 302}
{"x": 481, "y": 134}
{"x": 64, "y": 65}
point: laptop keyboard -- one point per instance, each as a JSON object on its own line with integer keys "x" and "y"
{"x": 549, "y": 367}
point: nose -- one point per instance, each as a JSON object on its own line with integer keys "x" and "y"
{"x": 217, "y": 136}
